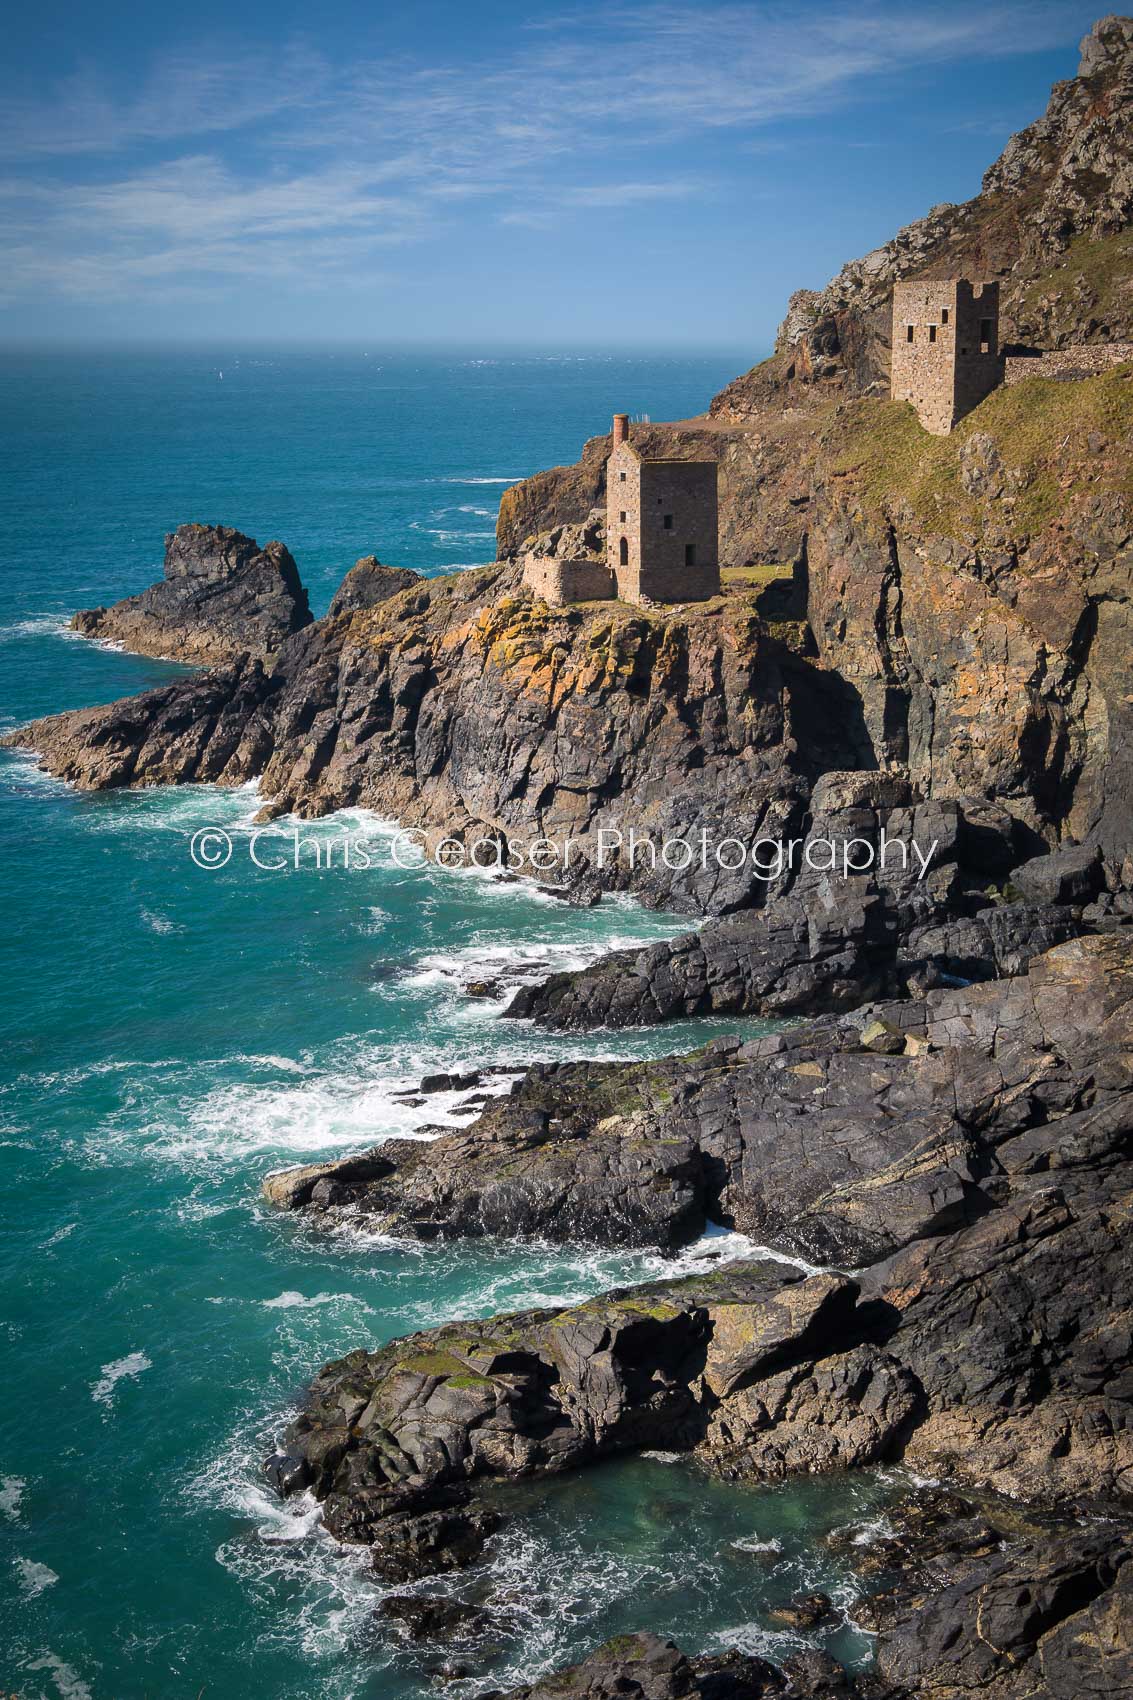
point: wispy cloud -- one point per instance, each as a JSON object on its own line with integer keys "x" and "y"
{"x": 240, "y": 162}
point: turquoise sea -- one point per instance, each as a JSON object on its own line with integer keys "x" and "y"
{"x": 170, "y": 1034}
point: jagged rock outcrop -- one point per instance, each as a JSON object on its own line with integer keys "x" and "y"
{"x": 369, "y": 582}
{"x": 986, "y": 1598}
{"x": 1047, "y": 222}
{"x": 934, "y": 902}
{"x": 465, "y": 706}
{"x": 991, "y": 1348}
{"x": 222, "y": 597}
{"x": 647, "y": 1667}
{"x": 841, "y": 1140}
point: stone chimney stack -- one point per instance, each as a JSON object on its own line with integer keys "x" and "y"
{"x": 621, "y": 428}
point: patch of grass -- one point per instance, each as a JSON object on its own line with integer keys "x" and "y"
{"x": 1054, "y": 438}
{"x": 756, "y": 577}
{"x": 434, "y": 1363}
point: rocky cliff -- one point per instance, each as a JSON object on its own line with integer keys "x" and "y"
{"x": 970, "y": 593}
{"x": 1051, "y": 222}
{"x": 968, "y": 1152}
{"x": 944, "y": 1139}
{"x": 465, "y": 706}
{"x": 222, "y": 596}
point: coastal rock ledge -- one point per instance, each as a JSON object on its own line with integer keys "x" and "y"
{"x": 968, "y": 1153}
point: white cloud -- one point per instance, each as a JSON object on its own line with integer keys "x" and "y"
{"x": 235, "y": 163}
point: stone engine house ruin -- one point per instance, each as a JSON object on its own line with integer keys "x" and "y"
{"x": 662, "y": 534}
{"x": 946, "y": 355}
{"x": 662, "y": 527}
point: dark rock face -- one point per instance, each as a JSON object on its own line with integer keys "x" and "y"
{"x": 813, "y": 1139}
{"x": 980, "y": 1175}
{"x": 465, "y": 708}
{"x": 996, "y": 1600}
{"x": 646, "y": 1667}
{"x": 408, "y": 1546}
{"x": 827, "y": 941}
{"x": 369, "y": 582}
{"x": 222, "y": 597}
{"x": 426, "y": 1617}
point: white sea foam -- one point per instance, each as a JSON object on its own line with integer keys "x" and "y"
{"x": 874, "y": 1529}
{"x": 133, "y": 1364}
{"x": 39, "y": 625}
{"x": 758, "y": 1642}
{"x": 299, "y": 1301}
{"x": 12, "y": 1490}
{"x": 752, "y": 1543}
{"x": 58, "y": 1236}
{"x": 161, "y": 923}
{"x": 34, "y": 1578}
{"x": 66, "y": 1679}
{"x": 317, "y": 1595}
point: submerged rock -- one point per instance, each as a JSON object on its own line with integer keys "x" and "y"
{"x": 647, "y": 1667}
{"x": 222, "y": 597}
{"x": 429, "y": 1617}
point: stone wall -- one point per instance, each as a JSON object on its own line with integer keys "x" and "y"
{"x": 1068, "y": 363}
{"x": 623, "y": 519}
{"x": 662, "y": 527}
{"x": 559, "y": 581}
{"x": 945, "y": 349}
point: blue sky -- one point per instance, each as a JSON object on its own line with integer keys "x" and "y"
{"x": 656, "y": 174}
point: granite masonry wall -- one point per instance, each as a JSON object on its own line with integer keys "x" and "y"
{"x": 1068, "y": 363}
{"x": 945, "y": 342}
{"x": 560, "y": 581}
{"x": 662, "y": 527}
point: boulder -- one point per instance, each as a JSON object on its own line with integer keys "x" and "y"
{"x": 1072, "y": 875}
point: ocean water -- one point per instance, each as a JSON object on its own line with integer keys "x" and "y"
{"x": 170, "y": 1034}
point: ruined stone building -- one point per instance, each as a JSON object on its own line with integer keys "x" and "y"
{"x": 662, "y": 535}
{"x": 946, "y": 355}
{"x": 662, "y": 528}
